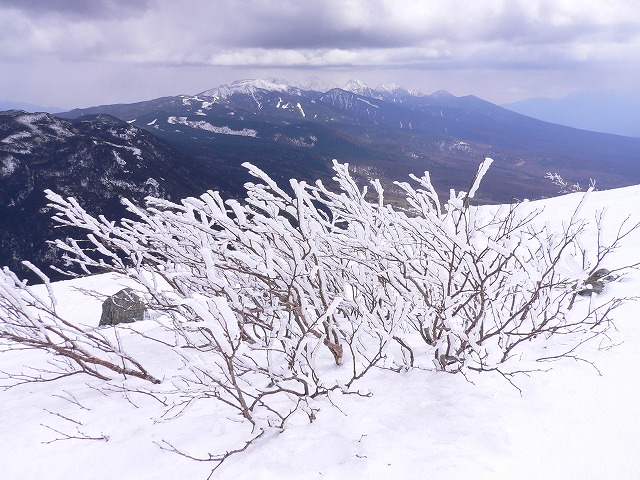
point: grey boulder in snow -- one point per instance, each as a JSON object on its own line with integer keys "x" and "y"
{"x": 123, "y": 307}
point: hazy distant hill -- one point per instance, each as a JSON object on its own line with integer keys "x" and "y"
{"x": 599, "y": 111}
{"x": 27, "y": 107}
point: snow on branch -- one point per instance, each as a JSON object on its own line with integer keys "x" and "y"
{"x": 283, "y": 297}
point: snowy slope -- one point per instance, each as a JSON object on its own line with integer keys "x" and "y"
{"x": 571, "y": 422}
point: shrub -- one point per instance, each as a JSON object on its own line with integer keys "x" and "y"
{"x": 286, "y": 296}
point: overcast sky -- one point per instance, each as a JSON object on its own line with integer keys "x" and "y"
{"x": 76, "y": 53}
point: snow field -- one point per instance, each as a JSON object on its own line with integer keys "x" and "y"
{"x": 573, "y": 421}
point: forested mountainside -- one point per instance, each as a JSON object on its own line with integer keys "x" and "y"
{"x": 96, "y": 160}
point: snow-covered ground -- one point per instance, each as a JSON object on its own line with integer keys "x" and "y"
{"x": 571, "y": 422}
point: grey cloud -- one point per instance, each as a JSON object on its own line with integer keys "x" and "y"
{"x": 85, "y": 9}
{"x": 383, "y": 25}
{"x": 544, "y": 22}
{"x": 316, "y": 25}
{"x": 197, "y": 31}
{"x": 419, "y": 36}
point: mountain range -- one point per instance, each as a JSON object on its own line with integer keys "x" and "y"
{"x": 387, "y": 131}
{"x": 185, "y": 144}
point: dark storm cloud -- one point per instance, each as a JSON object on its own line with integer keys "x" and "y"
{"x": 306, "y": 25}
{"x": 85, "y": 9}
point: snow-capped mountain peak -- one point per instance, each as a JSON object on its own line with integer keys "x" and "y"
{"x": 396, "y": 90}
{"x": 249, "y": 87}
{"x": 314, "y": 84}
{"x": 389, "y": 87}
{"x": 357, "y": 87}
{"x": 386, "y": 91}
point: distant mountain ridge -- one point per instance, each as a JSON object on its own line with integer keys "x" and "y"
{"x": 251, "y": 86}
{"x": 385, "y": 131}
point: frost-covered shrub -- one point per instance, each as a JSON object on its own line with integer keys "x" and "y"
{"x": 483, "y": 281}
{"x": 277, "y": 282}
{"x": 264, "y": 290}
{"x": 474, "y": 283}
{"x": 285, "y": 296}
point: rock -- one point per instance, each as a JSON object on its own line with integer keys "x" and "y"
{"x": 123, "y": 307}
{"x": 595, "y": 282}
{"x": 593, "y": 287}
{"x": 598, "y": 274}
